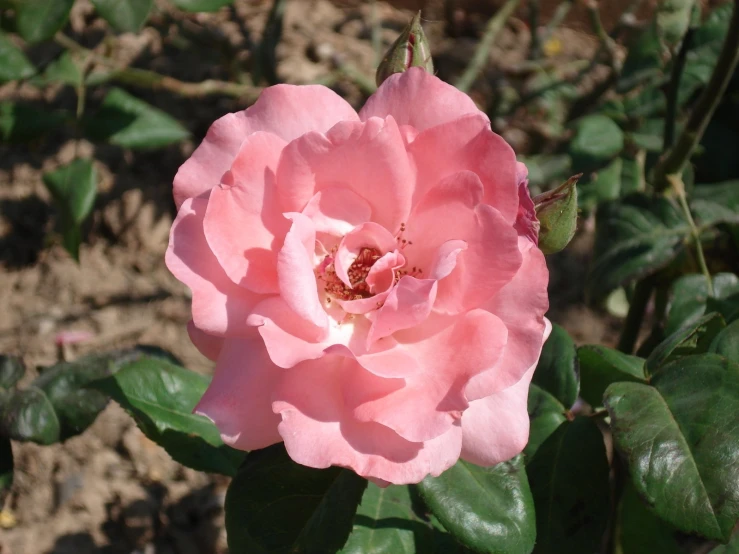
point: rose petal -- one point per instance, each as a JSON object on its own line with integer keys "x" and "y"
{"x": 239, "y": 398}
{"x": 208, "y": 345}
{"x": 521, "y": 304}
{"x": 287, "y": 111}
{"x": 295, "y": 273}
{"x": 496, "y": 428}
{"x": 368, "y": 158}
{"x": 468, "y": 144}
{"x": 451, "y": 211}
{"x": 337, "y": 211}
{"x": 527, "y": 224}
{"x": 408, "y": 304}
{"x": 318, "y": 432}
{"x": 419, "y": 99}
{"x": 432, "y": 400}
{"x": 219, "y": 306}
{"x": 243, "y": 223}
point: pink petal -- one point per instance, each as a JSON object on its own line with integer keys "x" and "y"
{"x": 496, "y": 428}
{"x": 291, "y": 340}
{"x": 446, "y": 258}
{"x": 337, "y": 211}
{"x": 432, "y": 399}
{"x": 521, "y": 304}
{"x": 419, "y": 99}
{"x": 295, "y": 272}
{"x": 451, "y": 211}
{"x": 318, "y": 431}
{"x": 368, "y": 158}
{"x": 208, "y": 345}
{"x": 408, "y": 304}
{"x": 287, "y": 111}
{"x": 243, "y": 223}
{"x": 239, "y": 399}
{"x": 527, "y": 224}
{"x": 219, "y": 306}
{"x": 468, "y": 144}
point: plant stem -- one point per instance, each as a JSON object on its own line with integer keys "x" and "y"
{"x": 534, "y": 13}
{"x": 635, "y": 317}
{"x": 674, "y": 162}
{"x": 674, "y": 89}
{"x": 607, "y": 44}
{"x": 149, "y": 79}
{"x": 679, "y": 187}
{"x": 480, "y": 56}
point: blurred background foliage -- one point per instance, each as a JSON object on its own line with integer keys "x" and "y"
{"x": 102, "y": 100}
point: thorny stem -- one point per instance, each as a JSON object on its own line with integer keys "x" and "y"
{"x": 635, "y": 317}
{"x": 674, "y": 162}
{"x": 145, "y": 78}
{"x": 679, "y": 187}
{"x": 480, "y": 56}
{"x": 674, "y": 89}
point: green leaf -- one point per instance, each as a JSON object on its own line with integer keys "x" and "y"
{"x": 73, "y": 188}
{"x": 600, "y": 366}
{"x": 6, "y": 468}
{"x": 690, "y": 339}
{"x": 11, "y": 370}
{"x": 132, "y": 123}
{"x": 275, "y": 505}
{"x": 726, "y": 342}
{"x": 124, "y": 15}
{"x": 77, "y": 407}
{"x": 27, "y": 415}
{"x": 650, "y": 135}
{"x": 25, "y": 122}
{"x": 602, "y": 185}
{"x": 644, "y": 59}
{"x": 557, "y": 371}
{"x": 640, "y": 531}
{"x": 569, "y": 482}
{"x": 546, "y": 414}
{"x": 161, "y": 396}
{"x": 673, "y": 20}
{"x": 635, "y": 237}
{"x": 597, "y": 140}
{"x": 13, "y": 62}
{"x": 706, "y": 46}
{"x": 689, "y": 296}
{"x": 679, "y": 437}
{"x": 62, "y": 70}
{"x": 731, "y": 548}
{"x": 201, "y": 5}
{"x": 714, "y": 204}
{"x": 38, "y": 20}
{"x": 489, "y": 510}
{"x": 386, "y": 523}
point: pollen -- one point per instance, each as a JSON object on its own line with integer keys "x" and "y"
{"x": 358, "y": 271}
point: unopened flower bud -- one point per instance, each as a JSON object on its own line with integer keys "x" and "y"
{"x": 556, "y": 211}
{"x": 411, "y": 49}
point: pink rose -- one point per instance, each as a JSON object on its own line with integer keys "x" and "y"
{"x": 368, "y": 284}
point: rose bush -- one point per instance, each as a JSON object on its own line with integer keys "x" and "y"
{"x": 368, "y": 284}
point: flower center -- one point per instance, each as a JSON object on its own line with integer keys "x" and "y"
{"x": 357, "y": 272}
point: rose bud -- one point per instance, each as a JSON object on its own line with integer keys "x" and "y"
{"x": 369, "y": 284}
{"x": 556, "y": 211}
{"x": 411, "y": 49}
